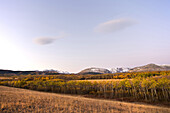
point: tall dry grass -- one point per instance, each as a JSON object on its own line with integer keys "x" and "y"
{"x": 15, "y": 100}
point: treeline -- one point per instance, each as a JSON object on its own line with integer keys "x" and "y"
{"x": 145, "y": 89}
{"x": 99, "y": 76}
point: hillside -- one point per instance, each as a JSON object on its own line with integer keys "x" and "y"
{"x": 150, "y": 67}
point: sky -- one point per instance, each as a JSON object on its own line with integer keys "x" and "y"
{"x": 71, "y": 35}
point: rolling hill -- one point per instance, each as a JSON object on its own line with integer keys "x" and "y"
{"x": 150, "y": 67}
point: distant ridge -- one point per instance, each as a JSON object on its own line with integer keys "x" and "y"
{"x": 11, "y": 72}
{"x": 150, "y": 67}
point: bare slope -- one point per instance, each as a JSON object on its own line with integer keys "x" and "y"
{"x": 21, "y": 100}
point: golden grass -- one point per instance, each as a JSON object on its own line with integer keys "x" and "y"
{"x": 21, "y": 100}
{"x": 2, "y": 78}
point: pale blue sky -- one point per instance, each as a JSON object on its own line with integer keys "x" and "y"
{"x": 71, "y": 35}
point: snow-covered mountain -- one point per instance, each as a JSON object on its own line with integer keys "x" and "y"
{"x": 55, "y": 71}
{"x": 119, "y": 70}
{"x": 94, "y": 70}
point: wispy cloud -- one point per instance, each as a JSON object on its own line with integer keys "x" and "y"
{"x": 114, "y": 25}
{"x": 47, "y": 40}
{"x": 44, "y": 40}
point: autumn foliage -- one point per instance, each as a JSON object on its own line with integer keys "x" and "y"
{"x": 146, "y": 86}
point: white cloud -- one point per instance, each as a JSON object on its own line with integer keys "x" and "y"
{"x": 114, "y": 25}
{"x": 46, "y": 40}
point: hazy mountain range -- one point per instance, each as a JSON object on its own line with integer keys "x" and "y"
{"x": 148, "y": 67}
{"x": 92, "y": 70}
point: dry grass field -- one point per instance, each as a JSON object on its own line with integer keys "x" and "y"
{"x": 6, "y": 78}
{"x": 15, "y": 100}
